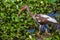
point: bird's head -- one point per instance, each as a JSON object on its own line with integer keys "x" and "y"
{"x": 22, "y": 9}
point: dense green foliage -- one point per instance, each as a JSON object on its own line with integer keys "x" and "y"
{"x": 14, "y": 28}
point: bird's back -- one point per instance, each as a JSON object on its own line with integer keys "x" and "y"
{"x": 42, "y": 18}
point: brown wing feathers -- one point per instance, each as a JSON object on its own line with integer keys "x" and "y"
{"x": 40, "y": 19}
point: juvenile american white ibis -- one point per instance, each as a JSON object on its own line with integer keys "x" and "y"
{"x": 39, "y": 18}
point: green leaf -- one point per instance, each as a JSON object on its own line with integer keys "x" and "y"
{"x": 52, "y": 1}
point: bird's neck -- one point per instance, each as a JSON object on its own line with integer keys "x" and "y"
{"x": 29, "y": 11}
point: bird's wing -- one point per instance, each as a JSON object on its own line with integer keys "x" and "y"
{"x": 44, "y": 18}
{"x": 49, "y": 18}
{"x": 39, "y": 18}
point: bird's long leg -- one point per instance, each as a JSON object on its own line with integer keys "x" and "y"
{"x": 46, "y": 32}
{"x": 39, "y": 28}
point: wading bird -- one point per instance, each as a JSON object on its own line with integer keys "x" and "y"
{"x": 39, "y": 18}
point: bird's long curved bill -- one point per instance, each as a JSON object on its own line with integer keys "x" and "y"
{"x": 19, "y": 12}
{"x": 22, "y": 9}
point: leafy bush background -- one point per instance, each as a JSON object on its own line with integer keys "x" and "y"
{"x": 13, "y": 28}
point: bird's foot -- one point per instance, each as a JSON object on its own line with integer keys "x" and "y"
{"x": 38, "y": 35}
{"x": 47, "y": 34}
